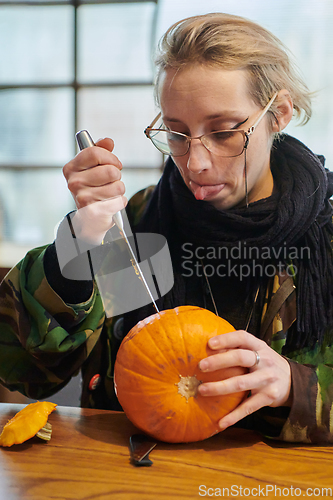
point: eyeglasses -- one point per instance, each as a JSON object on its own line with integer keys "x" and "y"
{"x": 225, "y": 143}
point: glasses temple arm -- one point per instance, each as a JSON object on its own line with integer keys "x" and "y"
{"x": 262, "y": 114}
{"x": 154, "y": 121}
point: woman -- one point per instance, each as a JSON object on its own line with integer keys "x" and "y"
{"x": 233, "y": 181}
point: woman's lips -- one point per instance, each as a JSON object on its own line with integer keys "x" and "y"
{"x": 201, "y": 192}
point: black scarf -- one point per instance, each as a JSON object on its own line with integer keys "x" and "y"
{"x": 298, "y": 217}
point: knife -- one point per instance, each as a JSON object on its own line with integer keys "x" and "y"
{"x": 84, "y": 141}
{"x": 140, "y": 447}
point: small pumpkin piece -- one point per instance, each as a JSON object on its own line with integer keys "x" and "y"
{"x": 27, "y": 423}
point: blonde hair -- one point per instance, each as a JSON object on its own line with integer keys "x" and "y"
{"x": 233, "y": 42}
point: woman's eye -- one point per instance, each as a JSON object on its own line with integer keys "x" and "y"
{"x": 175, "y": 137}
{"x": 222, "y": 135}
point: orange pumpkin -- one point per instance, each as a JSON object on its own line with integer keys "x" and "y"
{"x": 157, "y": 375}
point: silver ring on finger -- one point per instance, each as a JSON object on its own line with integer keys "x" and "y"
{"x": 257, "y": 360}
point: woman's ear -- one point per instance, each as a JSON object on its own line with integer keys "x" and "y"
{"x": 284, "y": 110}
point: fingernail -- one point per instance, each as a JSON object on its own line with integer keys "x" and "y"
{"x": 203, "y": 365}
{"x": 202, "y": 389}
{"x": 213, "y": 342}
{"x": 222, "y": 425}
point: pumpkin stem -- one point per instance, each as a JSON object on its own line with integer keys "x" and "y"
{"x": 188, "y": 386}
{"x": 45, "y": 432}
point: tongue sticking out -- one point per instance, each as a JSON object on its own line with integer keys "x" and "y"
{"x": 202, "y": 192}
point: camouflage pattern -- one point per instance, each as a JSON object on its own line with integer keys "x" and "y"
{"x": 44, "y": 342}
{"x": 310, "y": 419}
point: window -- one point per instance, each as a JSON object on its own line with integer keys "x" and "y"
{"x": 65, "y": 66}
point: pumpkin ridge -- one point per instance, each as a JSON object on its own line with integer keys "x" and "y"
{"x": 142, "y": 353}
{"x": 187, "y": 421}
{"x": 185, "y": 337}
{"x": 178, "y": 314}
{"x": 227, "y": 408}
{"x": 129, "y": 370}
{"x": 192, "y": 421}
{"x": 176, "y": 428}
{"x": 202, "y": 418}
{"x": 202, "y": 405}
{"x": 199, "y": 422}
{"x": 154, "y": 340}
{"x": 157, "y": 393}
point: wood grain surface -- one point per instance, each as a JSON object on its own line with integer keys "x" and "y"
{"x": 88, "y": 458}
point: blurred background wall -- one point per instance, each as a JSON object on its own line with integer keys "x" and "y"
{"x": 70, "y": 65}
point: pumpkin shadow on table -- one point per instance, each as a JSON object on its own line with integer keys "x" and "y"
{"x": 18, "y": 448}
{"x": 106, "y": 428}
{"x": 116, "y": 429}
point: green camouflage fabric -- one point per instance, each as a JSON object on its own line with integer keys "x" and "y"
{"x": 44, "y": 342}
{"x": 310, "y": 419}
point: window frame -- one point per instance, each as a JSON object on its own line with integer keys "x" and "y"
{"x": 75, "y": 85}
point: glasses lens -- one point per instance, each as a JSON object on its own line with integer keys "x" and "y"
{"x": 169, "y": 143}
{"x": 227, "y": 143}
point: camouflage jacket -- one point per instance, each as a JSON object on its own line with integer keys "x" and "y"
{"x": 45, "y": 341}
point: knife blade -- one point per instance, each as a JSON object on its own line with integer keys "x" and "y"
{"x": 84, "y": 141}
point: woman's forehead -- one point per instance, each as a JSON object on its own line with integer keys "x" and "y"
{"x": 205, "y": 88}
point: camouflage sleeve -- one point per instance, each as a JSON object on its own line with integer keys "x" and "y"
{"x": 311, "y": 416}
{"x": 43, "y": 340}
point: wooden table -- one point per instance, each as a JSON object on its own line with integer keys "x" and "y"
{"x": 88, "y": 458}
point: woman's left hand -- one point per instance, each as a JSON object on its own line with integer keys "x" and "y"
{"x": 269, "y": 380}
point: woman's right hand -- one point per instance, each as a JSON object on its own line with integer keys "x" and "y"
{"x": 94, "y": 179}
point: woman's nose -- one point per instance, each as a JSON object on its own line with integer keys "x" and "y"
{"x": 199, "y": 158}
